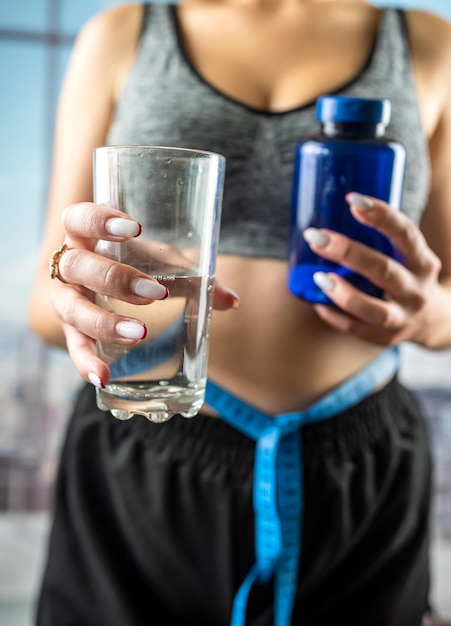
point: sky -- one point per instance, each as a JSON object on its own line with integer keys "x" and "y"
{"x": 26, "y": 133}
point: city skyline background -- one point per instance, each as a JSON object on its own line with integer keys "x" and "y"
{"x": 37, "y": 383}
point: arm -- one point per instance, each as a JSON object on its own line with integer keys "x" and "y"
{"x": 99, "y": 59}
{"x": 436, "y": 227}
{"x": 64, "y": 313}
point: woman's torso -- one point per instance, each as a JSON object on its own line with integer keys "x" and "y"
{"x": 202, "y": 81}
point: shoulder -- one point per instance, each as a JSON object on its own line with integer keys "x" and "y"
{"x": 106, "y": 45}
{"x": 430, "y": 45}
{"x": 430, "y": 39}
{"x": 116, "y": 28}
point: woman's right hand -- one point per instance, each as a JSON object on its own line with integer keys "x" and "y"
{"x": 83, "y": 272}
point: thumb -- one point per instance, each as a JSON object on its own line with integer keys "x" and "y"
{"x": 224, "y": 298}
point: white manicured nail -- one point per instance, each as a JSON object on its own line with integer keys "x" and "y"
{"x": 131, "y": 330}
{"x": 316, "y": 237}
{"x": 96, "y": 380}
{"x": 122, "y": 228}
{"x": 149, "y": 289}
{"x": 236, "y": 300}
{"x": 358, "y": 200}
{"x": 324, "y": 282}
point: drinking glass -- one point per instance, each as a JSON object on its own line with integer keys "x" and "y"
{"x": 176, "y": 196}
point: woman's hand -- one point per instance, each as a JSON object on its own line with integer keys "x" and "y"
{"x": 82, "y": 272}
{"x": 409, "y": 288}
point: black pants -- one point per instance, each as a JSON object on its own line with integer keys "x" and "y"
{"x": 153, "y": 523}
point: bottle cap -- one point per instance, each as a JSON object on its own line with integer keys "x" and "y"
{"x": 343, "y": 109}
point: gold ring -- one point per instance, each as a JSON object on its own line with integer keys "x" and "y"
{"x": 54, "y": 262}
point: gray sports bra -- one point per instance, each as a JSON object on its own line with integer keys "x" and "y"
{"x": 166, "y": 102}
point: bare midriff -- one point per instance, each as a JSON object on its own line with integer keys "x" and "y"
{"x": 274, "y": 352}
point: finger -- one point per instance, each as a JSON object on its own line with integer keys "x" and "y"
{"x": 86, "y": 221}
{"x": 346, "y": 324}
{"x": 378, "y": 268}
{"x": 403, "y": 234}
{"x": 107, "y": 277}
{"x": 82, "y": 351}
{"x": 76, "y": 310}
{"x": 224, "y": 298}
{"x": 381, "y": 314}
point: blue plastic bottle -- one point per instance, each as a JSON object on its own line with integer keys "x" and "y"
{"x": 352, "y": 153}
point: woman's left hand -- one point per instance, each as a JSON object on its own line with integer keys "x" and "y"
{"x": 409, "y": 287}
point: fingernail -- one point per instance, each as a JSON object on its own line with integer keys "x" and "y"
{"x": 316, "y": 237}
{"x": 131, "y": 330}
{"x": 324, "y": 282}
{"x": 236, "y": 300}
{"x": 358, "y": 200}
{"x": 149, "y": 289}
{"x": 96, "y": 380}
{"x": 122, "y": 228}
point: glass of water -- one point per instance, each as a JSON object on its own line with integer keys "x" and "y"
{"x": 176, "y": 196}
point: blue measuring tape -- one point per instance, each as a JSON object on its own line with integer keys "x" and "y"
{"x": 278, "y": 481}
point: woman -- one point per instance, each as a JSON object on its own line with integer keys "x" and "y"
{"x": 158, "y": 519}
